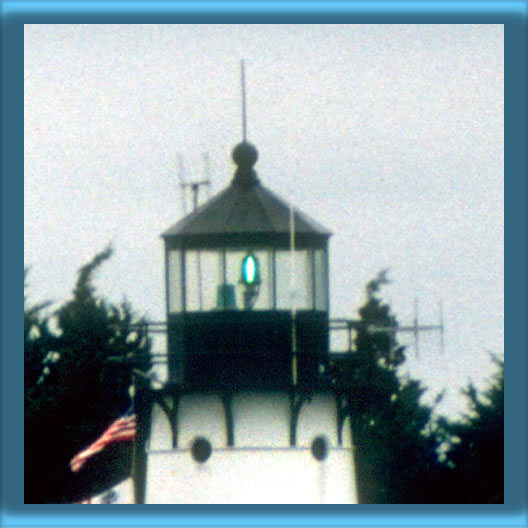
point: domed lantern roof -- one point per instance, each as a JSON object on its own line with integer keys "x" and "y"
{"x": 245, "y": 212}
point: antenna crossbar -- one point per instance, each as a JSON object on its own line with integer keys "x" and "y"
{"x": 194, "y": 185}
{"x": 350, "y": 325}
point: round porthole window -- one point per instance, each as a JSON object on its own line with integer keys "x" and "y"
{"x": 201, "y": 449}
{"x": 320, "y": 448}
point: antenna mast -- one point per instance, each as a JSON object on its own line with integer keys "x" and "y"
{"x": 416, "y": 328}
{"x": 207, "y": 173}
{"x": 182, "y": 183}
{"x": 194, "y": 186}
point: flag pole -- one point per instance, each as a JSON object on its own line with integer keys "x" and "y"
{"x": 132, "y": 394}
{"x": 138, "y": 469}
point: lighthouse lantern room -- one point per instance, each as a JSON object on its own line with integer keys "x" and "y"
{"x": 230, "y": 291}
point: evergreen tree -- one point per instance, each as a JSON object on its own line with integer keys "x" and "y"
{"x": 73, "y": 390}
{"x": 396, "y": 459}
{"x": 37, "y": 339}
{"x": 476, "y": 454}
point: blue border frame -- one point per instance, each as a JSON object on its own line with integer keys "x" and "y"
{"x": 16, "y": 13}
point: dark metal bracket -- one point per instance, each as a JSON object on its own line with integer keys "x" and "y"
{"x": 342, "y": 408}
{"x": 296, "y": 402}
{"x": 227, "y": 401}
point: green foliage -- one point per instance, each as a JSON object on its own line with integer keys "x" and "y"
{"x": 396, "y": 456}
{"x": 476, "y": 454}
{"x": 402, "y": 454}
{"x": 37, "y": 339}
{"x": 73, "y": 389}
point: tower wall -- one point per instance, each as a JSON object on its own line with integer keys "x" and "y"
{"x": 261, "y": 467}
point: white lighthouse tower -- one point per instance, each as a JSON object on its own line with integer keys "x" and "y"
{"x": 249, "y": 413}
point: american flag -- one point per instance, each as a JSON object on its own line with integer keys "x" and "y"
{"x": 123, "y": 429}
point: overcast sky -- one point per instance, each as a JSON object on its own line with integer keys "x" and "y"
{"x": 389, "y": 135}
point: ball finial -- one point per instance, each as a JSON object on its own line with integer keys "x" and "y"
{"x": 245, "y": 155}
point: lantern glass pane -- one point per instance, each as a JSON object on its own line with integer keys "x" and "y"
{"x": 212, "y": 276}
{"x": 203, "y": 274}
{"x": 298, "y": 295}
{"x": 321, "y": 280}
{"x": 174, "y": 286}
